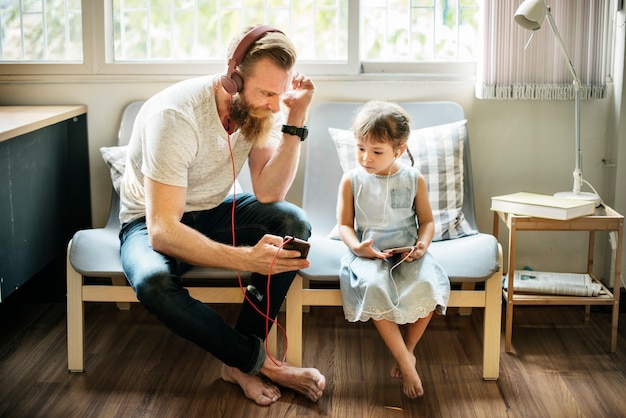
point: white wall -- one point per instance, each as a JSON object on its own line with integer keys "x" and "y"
{"x": 515, "y": 145}
{"x": 617, "y": 128}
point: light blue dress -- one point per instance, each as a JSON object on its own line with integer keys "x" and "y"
{"x": 383, "y": 289}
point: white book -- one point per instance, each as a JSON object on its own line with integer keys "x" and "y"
{"x": 542, "y": 206}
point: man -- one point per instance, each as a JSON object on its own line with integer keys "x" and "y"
{"x": 188, "y": 143}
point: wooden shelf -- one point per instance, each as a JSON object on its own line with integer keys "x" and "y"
{"x": 605, "y": 219}
{"x": 604, "y": 298}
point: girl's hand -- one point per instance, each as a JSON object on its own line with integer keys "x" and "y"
{"x": 417, "y": 253}
{"x": 365, "y": 249}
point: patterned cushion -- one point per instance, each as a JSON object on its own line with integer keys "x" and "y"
{"x": 438, "y": 153}
{"x": 115, "y": 158}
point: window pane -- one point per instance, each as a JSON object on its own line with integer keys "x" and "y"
{"x": 41, "y": 31}
{"x": 180, "y": 30}
{"x": 419, "y": 30}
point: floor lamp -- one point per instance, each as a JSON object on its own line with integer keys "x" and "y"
{"x": 530, "y": 15}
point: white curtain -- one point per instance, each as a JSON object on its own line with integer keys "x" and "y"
{"x": 508, "y": 71}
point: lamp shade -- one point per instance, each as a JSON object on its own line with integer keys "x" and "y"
{"x": 530, "y": 14}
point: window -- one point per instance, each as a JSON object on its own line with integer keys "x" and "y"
{"x": 186, "y": 37}
{"x": 170, "y": 30}
{"x": 191, "y": 36}
{"x": 41, "y": 31}
{"x": 426, "y": 30}
{"x": 419, "y": 30}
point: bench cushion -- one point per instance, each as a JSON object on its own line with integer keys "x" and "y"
{"x": 96, "y": 253}
{"x": 473, "y": 258}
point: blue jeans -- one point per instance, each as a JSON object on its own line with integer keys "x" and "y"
{"x": 155, "y": 278}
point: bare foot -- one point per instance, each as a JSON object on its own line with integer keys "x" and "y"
{"x": 307, "y": 381}
{"x": 412, "y": 384}
{"x": 395, "y": 371}
{"x": 253, "y": 387}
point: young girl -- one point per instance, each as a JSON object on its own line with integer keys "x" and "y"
{"x": 384, "y": 204}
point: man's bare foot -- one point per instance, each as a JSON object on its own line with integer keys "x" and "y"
{"x": 306, "y": 381}
{"x": 253, "y": 387}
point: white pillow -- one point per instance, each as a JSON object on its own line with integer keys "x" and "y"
{"x": 438, "y": 153}
{"x": 115, "y": 158}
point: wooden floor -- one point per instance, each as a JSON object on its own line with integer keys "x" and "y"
{"x": 135, "y": 367}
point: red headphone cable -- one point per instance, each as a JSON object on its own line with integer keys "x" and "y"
{"x": 265, "y": 315}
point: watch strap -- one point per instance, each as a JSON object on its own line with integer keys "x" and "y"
{"x": 294, "y": 130}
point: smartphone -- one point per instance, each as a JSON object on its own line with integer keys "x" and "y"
{"x": 297, "y": 244}
{"x": 398, "y": 250}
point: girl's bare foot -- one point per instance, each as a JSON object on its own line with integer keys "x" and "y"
{"x": 395, "y": 371}
{"x": 412, "y": 384}
{"x": 253, "y": 387}
{"x": 306, "y": 381}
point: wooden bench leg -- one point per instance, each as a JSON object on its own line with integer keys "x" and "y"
{"x": 75, "y": 319}
{"x": 272, "y": 341}
{"x": 492, "y": 326}
{"x": 306, "y": 284}
{"x": 121, "y": 281}
{"x": 294, "y": 322}
{"x": 466, "y": 310}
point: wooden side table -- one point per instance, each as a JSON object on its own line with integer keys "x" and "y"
{"x": 605, "y": 219}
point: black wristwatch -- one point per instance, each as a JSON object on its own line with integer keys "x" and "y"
{"x": 292, "y": 130}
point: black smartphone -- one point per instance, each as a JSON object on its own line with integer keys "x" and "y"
{"x": 297, "y": 244}
{"x": 399, "y": 250}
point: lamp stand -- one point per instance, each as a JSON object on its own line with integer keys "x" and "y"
{"x": 578, "y": 175}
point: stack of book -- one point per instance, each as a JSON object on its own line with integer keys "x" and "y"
{"x": 542, "y": 206}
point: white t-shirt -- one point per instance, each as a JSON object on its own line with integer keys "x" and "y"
{"x": 178, "y": 140}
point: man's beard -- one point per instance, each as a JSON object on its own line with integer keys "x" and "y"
{"x": 255, "y": 123}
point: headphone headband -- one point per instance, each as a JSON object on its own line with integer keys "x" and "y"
{"x": 232, "y": 81}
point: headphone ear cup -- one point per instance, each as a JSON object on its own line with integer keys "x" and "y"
{"x": 232, "y": 84}
{"x": 232, "y": 81}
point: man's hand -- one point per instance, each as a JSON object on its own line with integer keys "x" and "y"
{"x": 297, "y": 99}
{"x": 267, "y": 257}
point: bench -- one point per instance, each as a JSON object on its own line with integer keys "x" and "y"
{"x": 468, "y": 261}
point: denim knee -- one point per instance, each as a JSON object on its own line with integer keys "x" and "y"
{"x": 293, "y": 220}
{"x": 152, "y": 288}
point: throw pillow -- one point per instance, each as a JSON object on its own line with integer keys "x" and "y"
{"x": 115, "y": 159}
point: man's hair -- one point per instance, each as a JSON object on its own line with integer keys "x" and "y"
{"x": 273, "y": 45}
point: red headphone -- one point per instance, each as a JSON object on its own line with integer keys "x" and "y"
{"x": 232, "y": 80}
